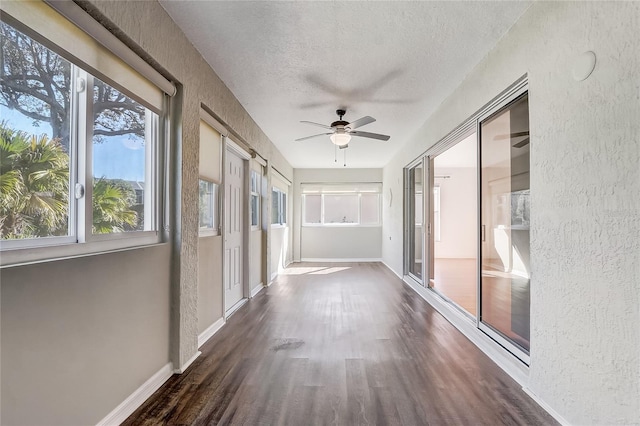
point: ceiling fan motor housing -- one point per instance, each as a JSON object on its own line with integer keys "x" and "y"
{"x": 341, "y": 122}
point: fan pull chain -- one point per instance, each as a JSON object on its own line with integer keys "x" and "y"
{"x": 345, "y": 157}
{"x": 335, "y": 153}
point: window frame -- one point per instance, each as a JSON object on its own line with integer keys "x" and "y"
{"x": 281, "y": 202}
{"x": 258, "y": 195}
{"x": 357, "y": 224}
{"x": 214, "y": 205}
{"x": 80, "y": 240}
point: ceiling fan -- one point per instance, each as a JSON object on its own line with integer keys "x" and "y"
{"x": 342, "y": 131}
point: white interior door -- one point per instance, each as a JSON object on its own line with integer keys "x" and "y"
{"x": 234, "y": 213}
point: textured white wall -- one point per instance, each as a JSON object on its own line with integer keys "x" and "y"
{"x": 585, "y": 182}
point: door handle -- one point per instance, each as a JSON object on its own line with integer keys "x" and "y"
{"x": 483, "y": 233}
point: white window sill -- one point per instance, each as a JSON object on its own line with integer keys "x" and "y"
{"x": 33, "y": 255}
{"x": 208, "y": 233}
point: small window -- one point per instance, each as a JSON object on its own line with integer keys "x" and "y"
{"x": 278, "y": 207}
{"x": 256, "y": 182}
{"x": 208, "y": 207}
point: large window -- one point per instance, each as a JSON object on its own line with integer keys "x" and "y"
{"x": 341, "y": 205}
{"x": 78, "y": 149}
{"x": 278, "y": 207}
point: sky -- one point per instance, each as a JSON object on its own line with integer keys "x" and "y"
{"x": 117, "y": 157}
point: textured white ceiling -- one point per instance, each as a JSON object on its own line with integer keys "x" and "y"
{"x": 292, "y": 61}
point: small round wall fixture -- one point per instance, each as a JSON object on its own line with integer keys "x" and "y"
{"x": 583, "y": 65}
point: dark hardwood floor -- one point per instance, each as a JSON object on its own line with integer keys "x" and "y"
{"x": 340, "y": 344}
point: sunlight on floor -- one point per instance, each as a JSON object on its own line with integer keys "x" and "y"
{"x": 313, "y": 270}
{"x": 331, "y": 270}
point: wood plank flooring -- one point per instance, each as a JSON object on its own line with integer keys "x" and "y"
{"x": 340, "y": 344}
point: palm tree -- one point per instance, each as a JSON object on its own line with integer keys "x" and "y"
{"x": 34, "y": 185}
{"x": 112, "y": 201}
{"x": 34, "y": 190}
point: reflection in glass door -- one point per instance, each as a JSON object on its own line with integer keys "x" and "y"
{"x": 414, "y": 225}
{"x": 504, "y": 233}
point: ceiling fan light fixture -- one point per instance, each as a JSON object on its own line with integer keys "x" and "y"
{"x": 340, "y": 139}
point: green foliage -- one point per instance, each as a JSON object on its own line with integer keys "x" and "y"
{"x": 34, "y": 190}
{"x": 112, "y": 201}
{"x": 34, "y": 185}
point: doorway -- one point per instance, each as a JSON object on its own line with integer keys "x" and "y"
{"x": 453, "y": 223}
{"x": 467, "y": 217}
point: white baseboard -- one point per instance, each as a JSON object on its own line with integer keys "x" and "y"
{"x": 210, "y": 331}
{"x": 503, "y": 359}
{"x": 232, "y": 310}
{"x": 257, "y": 289}
{"x": 138, "y": 397}
{"x": 338, "y": 260}
{"x": 546, "y": 407}
{"x": 187, "y": 364}
{"x": 391, "y": 269}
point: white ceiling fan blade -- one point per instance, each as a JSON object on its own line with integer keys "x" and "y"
{"x": 370, "y": 135}
{"x": 360, "y": 122}
{"x": 311, "y": 137}
{"x": 317, "y": 124}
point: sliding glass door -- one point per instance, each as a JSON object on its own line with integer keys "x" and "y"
{"x": 504, "y": 219}
{"x": 467, "y": 216}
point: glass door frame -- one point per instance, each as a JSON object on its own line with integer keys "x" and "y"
{"x": 511, "y": 96}
{"x": 467, "y": 129}
{"x": 409, "y": 220}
